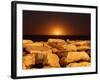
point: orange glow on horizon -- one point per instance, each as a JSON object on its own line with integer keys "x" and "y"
{"x": 57, "y": 33}
{"x": 58, "y": 30}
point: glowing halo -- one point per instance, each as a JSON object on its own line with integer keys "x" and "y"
{"x": 57, "y": 33}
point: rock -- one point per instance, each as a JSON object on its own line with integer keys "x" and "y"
{"x": 76, "y": 56}
{"x": 57, "y": 43}
{"x": 83, "y": 48}
{"x": 28, "y": 60}
{"x": 71, "y": 47}
{"x": 52, "y": 60}
{"x": 80, "y": 64}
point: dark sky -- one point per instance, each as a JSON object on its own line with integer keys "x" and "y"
{"x": 53, "y": 23}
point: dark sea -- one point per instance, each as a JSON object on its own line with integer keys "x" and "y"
{"x": 64, "y": 37}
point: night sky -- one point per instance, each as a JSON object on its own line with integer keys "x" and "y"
{"x": 55, "y": 23}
